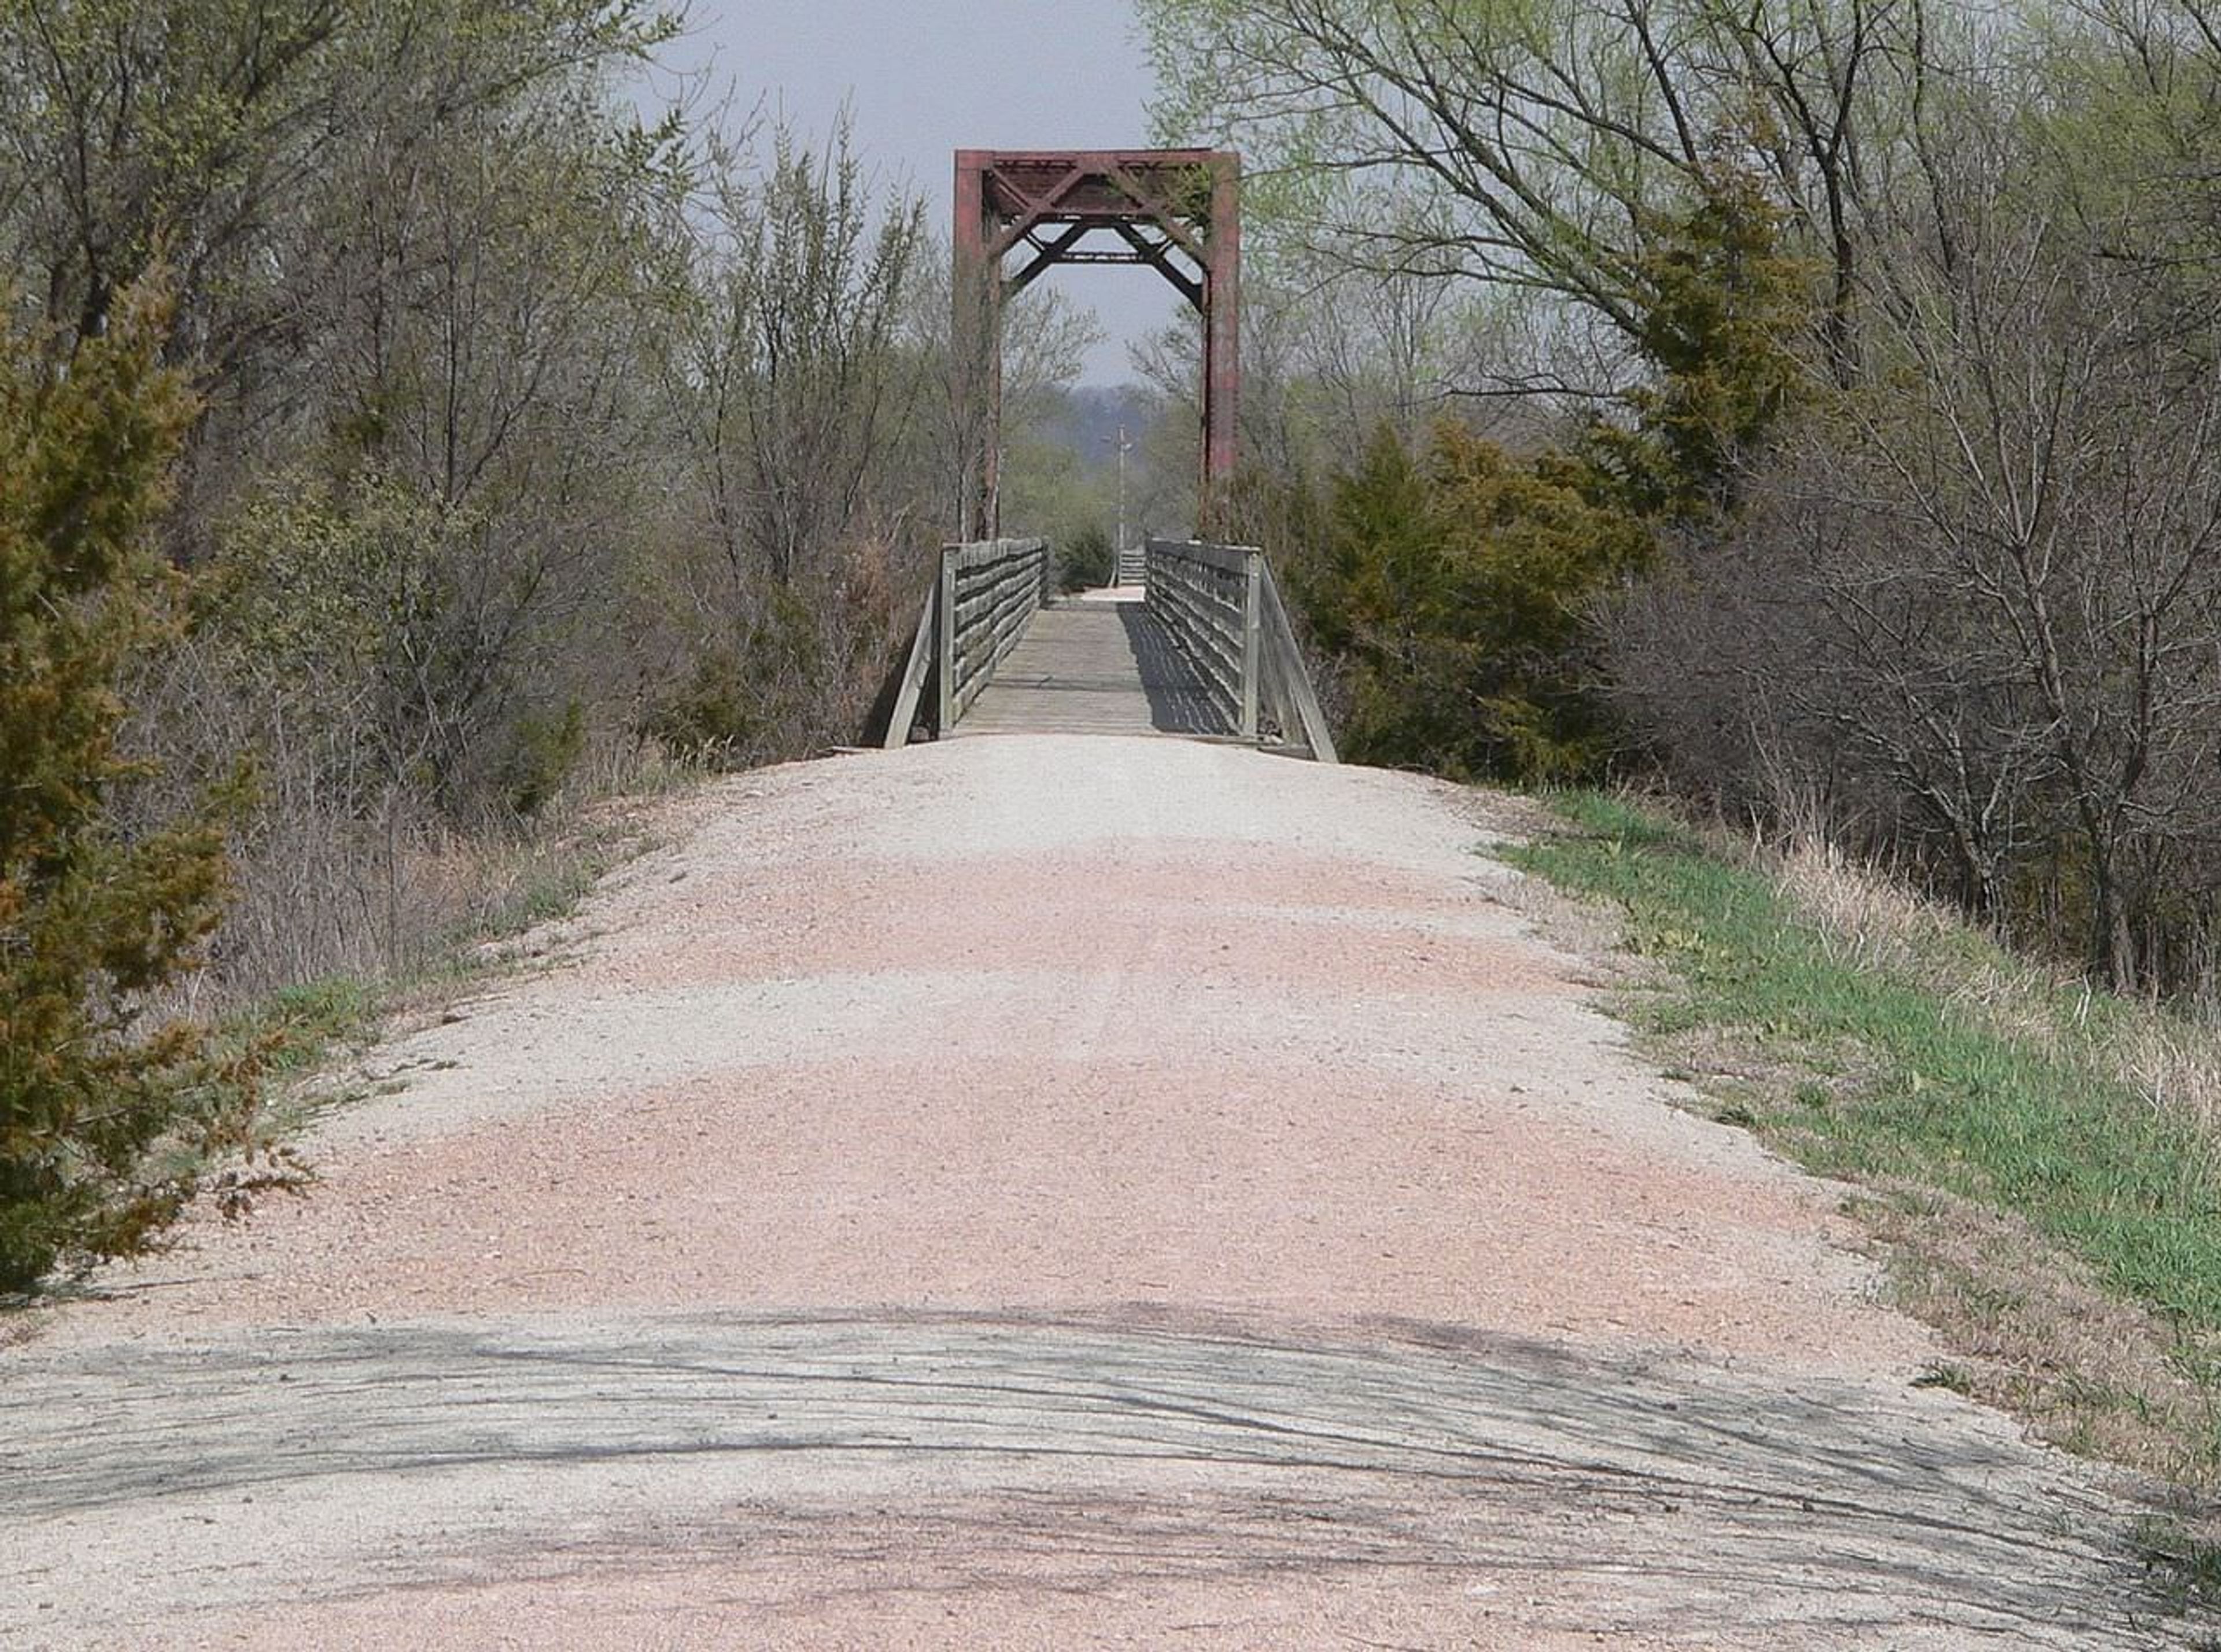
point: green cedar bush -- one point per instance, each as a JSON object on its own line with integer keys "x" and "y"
{"x": 1087, "y": 562}
{"x": 1458, "y": 592}
{"x": 1723, "y": 309}
{"x": 93, "y": 1101}
{"x": 1454, "y": 593}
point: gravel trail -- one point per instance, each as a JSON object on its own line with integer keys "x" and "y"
{"x": 1035, "y": 1192}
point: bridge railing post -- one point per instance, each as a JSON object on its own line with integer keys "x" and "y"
{"x": 944, "y": 651}
{"x": 1252, "y": 637}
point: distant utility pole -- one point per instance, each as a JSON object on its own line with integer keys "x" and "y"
{"x": 1125, "y": 447}
{"x": 1118, "y": 548}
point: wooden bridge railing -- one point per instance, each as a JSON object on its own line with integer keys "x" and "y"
{"x": 1221, "y": 608}
{"x": 982, "y": 597}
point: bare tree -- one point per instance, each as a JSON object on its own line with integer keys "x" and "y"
{"x": 1980, "y": 603}
{"x": 1542, "y": 142}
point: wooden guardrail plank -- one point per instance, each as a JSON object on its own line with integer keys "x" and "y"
{"x": 996, "y": 586}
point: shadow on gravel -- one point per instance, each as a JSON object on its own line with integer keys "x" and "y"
{"x": 1651, "y": 1483}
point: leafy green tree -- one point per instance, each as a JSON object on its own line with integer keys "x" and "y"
{"x": 200, "y": 126}
{"x": 799, "y": 394}
{"x": 91, "y": 918}
{"x": 1537, "y": 138}
{"x": 1461, "y": 594}
{"x": 794, "y": 344}
{"x": 1671, "y": 185}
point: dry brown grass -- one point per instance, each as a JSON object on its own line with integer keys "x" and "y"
{"x": 2168, "y": 1053}
{"x": 2175, "y": 1063}
{"x": 1866, "y": 920}
{"x": 2032, "y": 1333}
{"x": 322, "y": 897}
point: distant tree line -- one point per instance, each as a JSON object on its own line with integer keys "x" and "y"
{"x": 1816, "y": 399}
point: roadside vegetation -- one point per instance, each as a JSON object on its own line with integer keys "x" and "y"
{"x": 2038, "y": 1163}
{"x": 1807, "y": 413}
{"x": 404, "y": 443}
{"x": 91, "y": 920}
{"x": 1815, "y": 404}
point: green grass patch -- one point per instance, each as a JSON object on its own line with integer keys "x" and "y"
{"x": 1886, "y": 1079}
{"x": 296, "y": 1026}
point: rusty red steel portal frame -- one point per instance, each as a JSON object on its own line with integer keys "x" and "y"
{"x": 1177, "y": 211}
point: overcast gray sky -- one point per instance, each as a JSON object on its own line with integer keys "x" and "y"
{"x": 926, "y": 77}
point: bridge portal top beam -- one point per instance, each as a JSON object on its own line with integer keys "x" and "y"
{"x": 1074, "y": 186}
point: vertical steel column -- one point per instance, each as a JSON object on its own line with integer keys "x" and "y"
{"x": 975, "y": 338}
{"x": 1222, "y": 342}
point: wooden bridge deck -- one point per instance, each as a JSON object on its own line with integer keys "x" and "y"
{"x": 1093, "y": 664}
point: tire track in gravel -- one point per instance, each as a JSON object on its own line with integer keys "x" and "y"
{"x": 1041, "y": 1192}
{"x": 1428, "y": 1450}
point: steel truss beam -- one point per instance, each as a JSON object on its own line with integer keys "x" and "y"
{"x": 1177, "y": 212}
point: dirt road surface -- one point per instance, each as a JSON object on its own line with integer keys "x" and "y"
{"x": 1035, "y": 1192}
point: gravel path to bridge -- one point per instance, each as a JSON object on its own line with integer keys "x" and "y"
{"x": 1035, "y": 1192}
